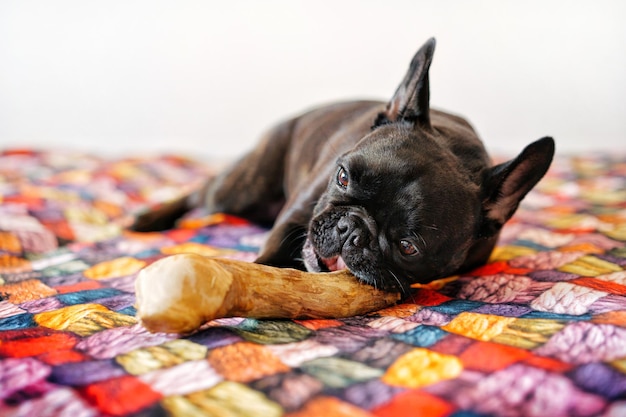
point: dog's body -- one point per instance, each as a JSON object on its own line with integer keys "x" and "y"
{"x": 395, "y": 192}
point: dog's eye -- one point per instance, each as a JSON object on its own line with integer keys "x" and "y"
{"x": 408, "y": 248}
{"x": 342, "y": 178}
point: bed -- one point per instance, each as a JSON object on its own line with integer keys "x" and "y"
{"x": 538, "y": 331}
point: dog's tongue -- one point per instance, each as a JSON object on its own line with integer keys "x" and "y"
{"x": 336, "y": 263}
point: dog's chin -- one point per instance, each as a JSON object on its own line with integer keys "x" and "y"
{"x": 315, "y": 263}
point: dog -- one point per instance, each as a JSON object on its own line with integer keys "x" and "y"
{"x": 396, "y": 192}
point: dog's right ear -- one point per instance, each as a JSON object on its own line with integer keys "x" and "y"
{"x": 506, "y": 184}
{"x": 411, "y": 101}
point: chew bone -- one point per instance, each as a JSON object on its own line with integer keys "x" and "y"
{"x": 179, "y": 293}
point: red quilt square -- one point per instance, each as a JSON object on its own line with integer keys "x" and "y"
{"x": 491, "y": 357}
{"x": 79, "y": 286}
{"x": 490, "y": 269}
{"x": 426, "y": 297}
{"x": 40, "y": 344}
{"x": 548, "y": 364}
{"x": 120, "y": 396}
{"x": 59, "y": 357}
{"x": 414, "y": 403}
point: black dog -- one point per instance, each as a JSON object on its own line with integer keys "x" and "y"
{"x": 395, "y": 192}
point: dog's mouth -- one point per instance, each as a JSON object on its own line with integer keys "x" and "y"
{"x": 336, "y": 263}
{"x": 316, "y": 263}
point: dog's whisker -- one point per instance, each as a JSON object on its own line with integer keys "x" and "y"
{"x": 375, "y": 283}
{"x": 400, "y": 284}
{"x": 421, "y": 238}
{"x": 294, "y": 235}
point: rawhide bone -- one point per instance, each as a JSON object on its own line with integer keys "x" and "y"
{"x": 179, "y": 293}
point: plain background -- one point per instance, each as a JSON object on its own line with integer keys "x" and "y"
{"x": 206, "y": 78}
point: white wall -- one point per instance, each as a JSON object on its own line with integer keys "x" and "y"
{"x": 205, "y": 78}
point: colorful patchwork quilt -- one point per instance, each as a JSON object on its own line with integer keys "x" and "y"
{"x": 538, "y": 331}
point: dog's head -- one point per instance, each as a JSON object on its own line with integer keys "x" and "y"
{"x": 401, "y": 207}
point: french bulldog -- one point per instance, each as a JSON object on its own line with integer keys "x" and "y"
{"x": 396, "y": 192}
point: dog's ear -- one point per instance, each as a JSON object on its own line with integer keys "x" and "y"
{"x": 411, "y": 100}
{"x": 508, "y": 183}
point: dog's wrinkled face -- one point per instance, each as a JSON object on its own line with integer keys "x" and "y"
{"x": 396, "y": 211}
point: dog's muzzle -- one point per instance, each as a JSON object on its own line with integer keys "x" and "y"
{"x": 336, "y": 238}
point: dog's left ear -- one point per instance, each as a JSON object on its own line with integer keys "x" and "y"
{"x": 411, "y": 100}
{"x": 508, "y": 183}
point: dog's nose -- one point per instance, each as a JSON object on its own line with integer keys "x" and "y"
{"x": 350, "y": 232}
{"x": 343, "y": 226}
